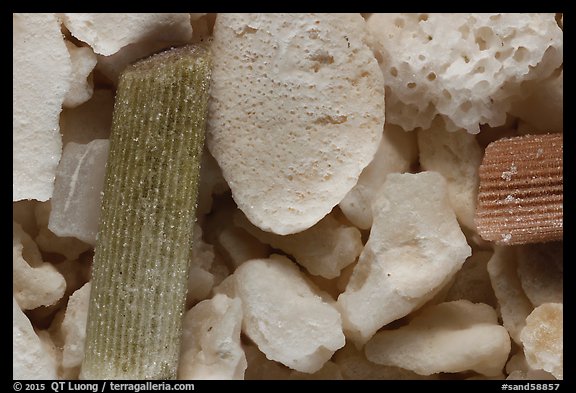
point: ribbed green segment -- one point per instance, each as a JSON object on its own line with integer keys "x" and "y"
{"x": 141, "y": 260}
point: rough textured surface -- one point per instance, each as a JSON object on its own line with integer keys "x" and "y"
{"x": 34, "y": 283}
{"x": 74, "y": 327}
{"x": 83, "y": 61}
{"x": 108, "y": 32}
{"x": 456, "y": 156}
{"x": 301, "y": 331}
{"x": 521, "y": 191}
{"x": 296, "y": 113}
{"x": 415, "y": 247}
{"x": 467, "y": 67}
{"x": 514, "y": 305}
{"x": 323, "y": 249}
{"x": 30, "y": 360}
{"x": 141, "y": 259}
{"x": 543, "y": 338}
{"x": 78, "y": 189}
{"x": 38, "y": 50}
{"x": 439, "y": 340}
{"x": 397, "y": 153}
{"x": 210, "y": 346}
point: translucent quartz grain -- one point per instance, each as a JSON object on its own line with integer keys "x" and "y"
{"x": 141, "y": 259}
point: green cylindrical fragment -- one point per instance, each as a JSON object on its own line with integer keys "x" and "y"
{"x": 141, "y": 260}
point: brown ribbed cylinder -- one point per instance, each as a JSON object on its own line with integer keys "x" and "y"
{"x": 141, "y": 260}
{"x": 520, "y": 199}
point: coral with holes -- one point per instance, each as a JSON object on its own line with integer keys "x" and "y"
{"x": 467, "y": 67}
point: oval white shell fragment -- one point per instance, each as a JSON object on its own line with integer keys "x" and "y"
{"x": 211, "y": 341}
{"x": 415, "y": 247}
{"x": 543, "y": 338}
{"x": 296, "y": 113}
{"x": 467, "y": 67}
{"x": 38, "y": 51}
{"x": 285, "y": 316}
{"x": 78, "y": 190}
{"x": 30, "y": 359}
{"x": 107, "y": 33}
{"x": 448, "y": 337}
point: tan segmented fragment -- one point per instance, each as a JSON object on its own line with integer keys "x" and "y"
{"x": 520, "y": 199}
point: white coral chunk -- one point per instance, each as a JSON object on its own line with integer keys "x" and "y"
{"x": 468, "y": 68}
{"x": 296, "y": 113}
{"x": 448, "y": 337}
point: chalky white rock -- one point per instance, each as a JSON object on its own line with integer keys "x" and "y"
{"x": 301, "y": 331}
{"x": 38, "y": 51}
{"x": 296, "y": 113}
{"x": 415, "y": 247}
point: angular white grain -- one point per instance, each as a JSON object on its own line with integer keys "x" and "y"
{"x": 301, "y": 331}
{"x": 83, "y": 62}
{"x": 415, "y": 247}
{"x": 211, "y": 346}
